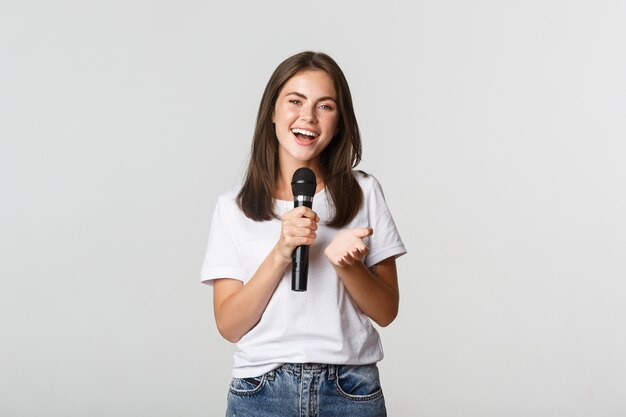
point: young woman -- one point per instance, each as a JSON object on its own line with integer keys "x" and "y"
{"x": 309, "y": 353}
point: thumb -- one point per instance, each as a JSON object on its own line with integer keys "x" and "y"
{"x": 362, "y": 232}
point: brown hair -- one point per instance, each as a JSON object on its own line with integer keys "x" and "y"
{"x": 336, "y": 161}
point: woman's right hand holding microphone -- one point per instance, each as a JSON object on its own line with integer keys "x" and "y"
{"x": 298, "y": 228}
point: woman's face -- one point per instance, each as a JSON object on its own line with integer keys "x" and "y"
{"x": 305, "y": 117}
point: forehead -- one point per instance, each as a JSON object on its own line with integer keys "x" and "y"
{"x": 311, "y": 83}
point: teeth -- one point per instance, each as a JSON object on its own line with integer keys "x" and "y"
{"x": 304, "y": 132}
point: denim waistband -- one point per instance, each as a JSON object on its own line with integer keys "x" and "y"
{"x": 299, "y": 368}
{"x": 306, "y": 366}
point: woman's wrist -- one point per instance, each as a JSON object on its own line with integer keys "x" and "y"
{"x": 279, "y": 258}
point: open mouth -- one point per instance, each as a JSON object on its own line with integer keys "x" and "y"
{"x": 303, "y": 134}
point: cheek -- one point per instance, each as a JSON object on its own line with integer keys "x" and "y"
{"x": 283, "y": 116}
{"x": 333, "y": 125}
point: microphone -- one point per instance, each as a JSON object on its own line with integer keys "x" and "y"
{"x": 303, "y": 184}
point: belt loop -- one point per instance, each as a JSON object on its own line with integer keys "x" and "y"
{"x": 271, "y": 375}
{"x": 332, "y": 372}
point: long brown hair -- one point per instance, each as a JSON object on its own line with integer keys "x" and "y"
{"x": 336, "y": 161}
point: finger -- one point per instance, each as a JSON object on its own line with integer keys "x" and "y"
{"x": 363, "y": 231}
{"x": 356, "y": 255}
{"x": 349, "y": 260}
{"x": 304, "y": 241}
{"x": 306, "y": 222}
{"x": 359, "y": 253}
{"x": 293, "y": 241}
{"x": 302, "y": 211}
{"x": 300, "y": 222}
{"x": 296, "y": 231}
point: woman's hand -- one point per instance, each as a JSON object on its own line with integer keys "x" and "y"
{"x": 348, "y": 246}
{"x": 298, "y": 228}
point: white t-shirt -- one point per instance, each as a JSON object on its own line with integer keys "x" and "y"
{"x": 322, "y": 324}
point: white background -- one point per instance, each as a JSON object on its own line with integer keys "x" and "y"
{"x": 496, "y": 128}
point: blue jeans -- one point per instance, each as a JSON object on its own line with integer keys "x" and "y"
{"x": 309, "y": 390}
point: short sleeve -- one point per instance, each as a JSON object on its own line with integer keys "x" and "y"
{"x": 385, "y": 242}
{"x": 222, "y": 255}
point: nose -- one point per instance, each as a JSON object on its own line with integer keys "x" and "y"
{"x": 308, "y": 114}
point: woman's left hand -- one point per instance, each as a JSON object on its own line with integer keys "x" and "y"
{"x": 348, "y": 246}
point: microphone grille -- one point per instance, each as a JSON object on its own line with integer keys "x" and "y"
{"x": 303, "y": 182}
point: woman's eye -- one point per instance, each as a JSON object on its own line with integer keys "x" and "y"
{"x": 326, "y": 107}
{"x": 294, "y": 101}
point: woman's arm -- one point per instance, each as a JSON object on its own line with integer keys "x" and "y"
{"x": 238, "y": 307}
{"x": 374, "y": 290}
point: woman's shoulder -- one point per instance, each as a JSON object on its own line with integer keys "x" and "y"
{"x": 361, "y": 176}
{"x": 228, "y": 198}
{"x": 365, "y": 180}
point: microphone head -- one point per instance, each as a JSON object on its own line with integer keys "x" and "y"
{"x": 303, "y": 182}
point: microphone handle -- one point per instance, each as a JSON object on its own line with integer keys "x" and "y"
{"x": 300, "y": 257}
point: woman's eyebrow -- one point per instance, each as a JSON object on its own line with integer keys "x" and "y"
{"x": 295, "y": 93}
{"x": 327, "y": 98}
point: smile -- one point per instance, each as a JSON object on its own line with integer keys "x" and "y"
{"x": 304, "y": 132}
